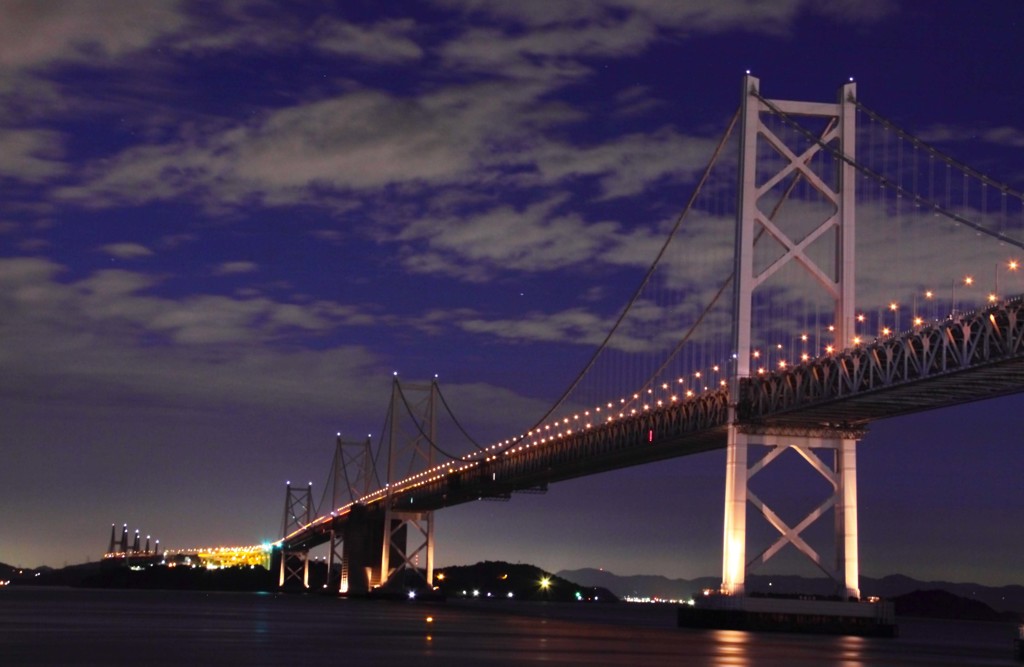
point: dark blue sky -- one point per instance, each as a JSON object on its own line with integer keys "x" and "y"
{"x": 223, "y": 225}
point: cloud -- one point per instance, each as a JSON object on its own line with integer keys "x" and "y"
{"x": 104, "y": 341}
{"x": 127, "y": 250}
{"x": 532, "y": 239}
{"x": 365, "y": 140}
{"x": 103, "y": 337}
{"x": 36, "y": 34}
{"x": 384, "y": 42}
{"x": 329, "y": 235}
{"x": 1005, "y": 135}
{"x": 576, "y": 325}
{"x": 709, "y": 16}
{"x": 30, "y": 155}
{"x": 548, "y": 52}
{"x": 33, "y": 245}
{"x": 269, "y": 28}
{"x": 628, "y": 164}
{"x": 233, "y": 268}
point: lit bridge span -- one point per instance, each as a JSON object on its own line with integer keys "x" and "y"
{"x": 971, "y": 357}
{"x": 773, "y": 351}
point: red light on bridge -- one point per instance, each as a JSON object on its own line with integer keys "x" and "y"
{"x": 650, "y": 435}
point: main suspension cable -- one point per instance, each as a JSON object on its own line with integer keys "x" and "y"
{"x": 430, "y": 441}
{"x": 949, "y": 160}
{"x": 643, "y": 283}
{"x": 883, "y": 180}
{"x": 456, "y": 421}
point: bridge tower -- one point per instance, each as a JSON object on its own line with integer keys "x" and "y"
{"x": 409, "y": 452}
{"x": 298, "y": 512}
{"x": 836, "y": 278}
{"x": 351, "y": 479}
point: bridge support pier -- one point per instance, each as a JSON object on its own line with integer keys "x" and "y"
{"x": 396, "y": 556}
{"x": 294, "y": 565}
{"x": 401, "y": 522}
{"x": 840, "y": 473}
{"x": 298, "y": 512}
{"x": 351, "y": 475}
{"x": 360, "y": 555}
{"x": 380, "y": 547}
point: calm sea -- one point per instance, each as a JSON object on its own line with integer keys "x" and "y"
{"x": 59, "y": 626}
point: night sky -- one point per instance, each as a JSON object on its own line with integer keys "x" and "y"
{"x": 225, "y": 225}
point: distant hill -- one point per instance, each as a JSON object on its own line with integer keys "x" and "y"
{"x": 498, "y": 579}
{"x": 641, "y": 585}
{"x": 943, "y": 604}
{"x": 20, "y": 575}
{"x": 71, "y": 575}
{"x": 1001, "y": 599}
{"x": 94, "y": 575}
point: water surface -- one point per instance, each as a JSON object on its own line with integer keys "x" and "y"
{"x": 59, "y": 626}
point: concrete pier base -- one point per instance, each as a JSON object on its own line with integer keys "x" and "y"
{"x": 834, "y": 617}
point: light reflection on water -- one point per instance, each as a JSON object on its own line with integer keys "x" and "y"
{"x": 91, "y": 627}
{"x": 734, "y": 647}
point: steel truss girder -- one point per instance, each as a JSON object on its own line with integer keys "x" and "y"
{"x": 827, "y": 397}
{"x": 987, "y": 344}
{"x": 687, "y": 427}
{"x": 690, "y": 426}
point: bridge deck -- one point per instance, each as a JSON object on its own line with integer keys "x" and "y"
{"x": 973, "y": 357}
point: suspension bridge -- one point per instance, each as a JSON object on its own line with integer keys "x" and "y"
{"x": 830, "y": 269}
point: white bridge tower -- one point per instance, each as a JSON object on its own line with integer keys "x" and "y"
{"x": 836, "y": 278}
